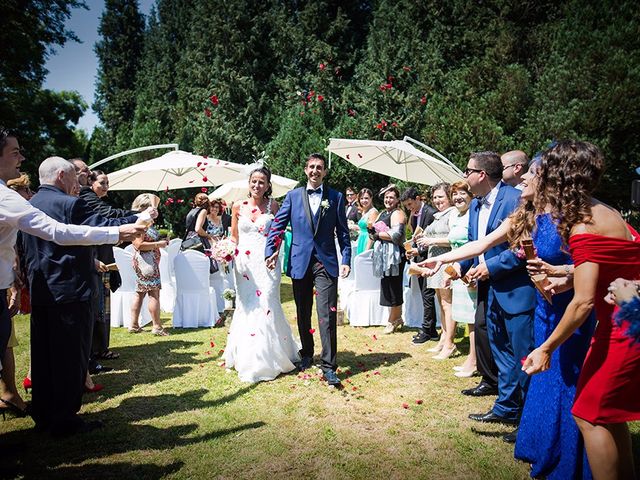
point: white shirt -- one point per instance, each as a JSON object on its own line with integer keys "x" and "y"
{"x": 314, "y": 198}
{"x": 18, "y": 214}
{"x": 486, "y": 205}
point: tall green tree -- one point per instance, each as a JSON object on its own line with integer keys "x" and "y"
{"x": 119, "y": 53}
{"x": 29, "y": 33}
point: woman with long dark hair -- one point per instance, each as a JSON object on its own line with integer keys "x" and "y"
{"x": 260, "y": 344}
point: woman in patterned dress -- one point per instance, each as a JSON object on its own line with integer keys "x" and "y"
{"x": 146, "y": 265}
{"x": 435, "y": 240}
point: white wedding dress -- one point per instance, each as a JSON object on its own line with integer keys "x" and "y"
{"x": 260, "y": 344}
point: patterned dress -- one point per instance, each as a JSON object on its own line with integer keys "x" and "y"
{"x": 464, "y": 298}
{"x": 146, "y": 264}
{"x": 439, "y": 228}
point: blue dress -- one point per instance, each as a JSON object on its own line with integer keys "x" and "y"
{"x": 548, "y": 437}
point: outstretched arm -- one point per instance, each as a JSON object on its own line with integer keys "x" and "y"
{"x": 471, "y": 249}
{"x": 342, "y": 232}
{"x": 278, "y": 226}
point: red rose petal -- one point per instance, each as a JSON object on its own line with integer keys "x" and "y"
{"x": 354, "y": 388}
{"x": 258, "y": 292}
{"x": 221, "y": 352}
{"x": 245, "y": 276}
{"x": 191, "y": 181}
{"x": 375, "y": 337}
{"x": 419, "y": 402}
{"x": 312, "y": 331}
{"x": 205, "y": 179}
{"x": 203, "y": 189}
{"x": 522, "y": 360}
{"x": 212, "y": 344}
{"x": 405, "y": 405}
{"x": 198, "y": 164}
{"x": 333, "y": 309}
{"x": 247, "y": 253}
{"x": 376, "y": 372}
{"x": 252, "y": 334}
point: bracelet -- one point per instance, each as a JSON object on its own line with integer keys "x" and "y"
{"x": 567, "y": 270}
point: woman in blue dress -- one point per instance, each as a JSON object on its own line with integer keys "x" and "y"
{"x": 548, "y": 437}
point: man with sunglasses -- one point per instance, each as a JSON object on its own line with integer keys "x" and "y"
{"x": 506, "y": 297}
{"x": 515, "y": 163}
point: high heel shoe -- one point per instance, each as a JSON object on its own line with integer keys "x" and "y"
{"x": 444, "y": 354}
{"x": 466, "y": 373}
{"x": 436, "y": 349}
{"x": 13, "y": 408}
{"x": 393, "y": 326}
{"x": 26, "y": 383}
{"x": 96, "y": 388}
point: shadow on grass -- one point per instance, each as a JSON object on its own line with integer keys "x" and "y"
{"x": 359, "y": 361}
{"x": 134, "y": 409}
{"x": 148, "y": 363}
{"x": 41, "y": 454}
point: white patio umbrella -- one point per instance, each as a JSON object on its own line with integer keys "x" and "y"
{"x": 398, "y": 159}
{"x": 174, "y": 170}
{"x": 238, "y": 189}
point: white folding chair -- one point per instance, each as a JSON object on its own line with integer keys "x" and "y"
{"x": 364, "y": 307}
{"x": 168, "y": 290}
{"x": 195, "y": 304}
{"x": 412, "y": 307}
{"x": 122, "y": 298}
{"x": 216, "y": 282}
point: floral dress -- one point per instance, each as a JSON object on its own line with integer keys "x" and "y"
{"x": 146, "y": 265}
{"x": 439, "y": 228}
{"x": 463, "y": 307}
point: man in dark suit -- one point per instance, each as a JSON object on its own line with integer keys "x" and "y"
{"x": 351, "y": 207}
{"x": 421, "y": 216}
{"x": 61, "y": 318}
{"x": 506, "y": 295}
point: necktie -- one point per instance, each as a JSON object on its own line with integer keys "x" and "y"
{"x": 311, "y": 191}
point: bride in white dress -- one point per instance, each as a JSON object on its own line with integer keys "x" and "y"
{"x": 260, "y": 344}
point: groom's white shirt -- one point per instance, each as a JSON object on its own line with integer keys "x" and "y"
{"x": 315, "y": 198}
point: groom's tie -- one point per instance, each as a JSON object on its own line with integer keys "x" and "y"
{"x": 311, "y": 191}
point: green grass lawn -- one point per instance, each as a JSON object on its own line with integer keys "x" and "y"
{"x": 171, "y": 411}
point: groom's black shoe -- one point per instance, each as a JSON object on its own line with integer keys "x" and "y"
{"x": 305, "y": 363}
{"x": 332, "y": 379}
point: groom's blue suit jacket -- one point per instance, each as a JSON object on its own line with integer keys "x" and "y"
{"x": 507, "y": 273}
{"x": 310, "y": 236}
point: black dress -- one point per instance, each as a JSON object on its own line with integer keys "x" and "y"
{"x": 391, "y": 289}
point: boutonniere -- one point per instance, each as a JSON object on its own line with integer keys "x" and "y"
{"x": 325, "y": 204}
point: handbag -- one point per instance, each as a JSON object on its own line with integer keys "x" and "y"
{"x": 195, "y": 242}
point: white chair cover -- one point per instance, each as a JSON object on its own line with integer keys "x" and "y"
{"x": 168, "y": 290}
{"x": 172, "y": 250}
{"x": 412, "y": 306}
{"x": 195, "y": 302}
{"x": 122, "y": 298}
{"x": 216, "y": 282}
{"x": 364, "y": 307}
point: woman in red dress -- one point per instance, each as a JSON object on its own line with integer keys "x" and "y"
{"x": 603, "y": 248}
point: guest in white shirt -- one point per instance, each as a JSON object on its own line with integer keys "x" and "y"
{"x": 18, "y": 214}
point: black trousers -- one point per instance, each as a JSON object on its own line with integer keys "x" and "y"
{"x": 428, "y": 308}
{"x": 60, "y": 341}
{"x": 486, "y": 365}
{"x": 101, "y": 327}
{"x": 326, "y": 300}
{"x": 5, "y": 323}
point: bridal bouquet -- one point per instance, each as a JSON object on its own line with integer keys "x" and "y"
{"x": 224, "y": 251}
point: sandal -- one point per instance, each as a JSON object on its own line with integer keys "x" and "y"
{"x": 159, "y": 332}
{"x": 135, "y": 330}
{"x": 109, "y": 355}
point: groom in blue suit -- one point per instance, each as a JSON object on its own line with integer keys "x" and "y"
{"x": 316, "y": 214}
{"x": 503, "y": 286}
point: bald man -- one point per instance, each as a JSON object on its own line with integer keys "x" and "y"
{"x": 514, "y": 164}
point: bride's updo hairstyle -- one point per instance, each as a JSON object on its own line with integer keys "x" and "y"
{"x": 267, "y": 173}
{"x": 569, "y": 173}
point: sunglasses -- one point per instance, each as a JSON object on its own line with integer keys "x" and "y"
{"x": 469, "y": 171}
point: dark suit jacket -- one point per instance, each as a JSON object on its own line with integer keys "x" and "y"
{"x": 60, "y": 274}
{"x": 507, "y": 273}
{"x": 226, "y": 222}
{"x": 352, "y": 212}
{"x": 308, "y": 238}
{"x": 426, "y": 217}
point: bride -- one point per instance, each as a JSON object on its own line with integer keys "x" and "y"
{"x": 260, "y": 344}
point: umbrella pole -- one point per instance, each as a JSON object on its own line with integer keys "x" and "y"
{"x": 174, "y": 146}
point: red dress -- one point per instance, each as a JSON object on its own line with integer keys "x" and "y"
{"x": 608, "y": 389}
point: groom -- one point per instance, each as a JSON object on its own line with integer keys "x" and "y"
{"x": 316, "y": 214}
